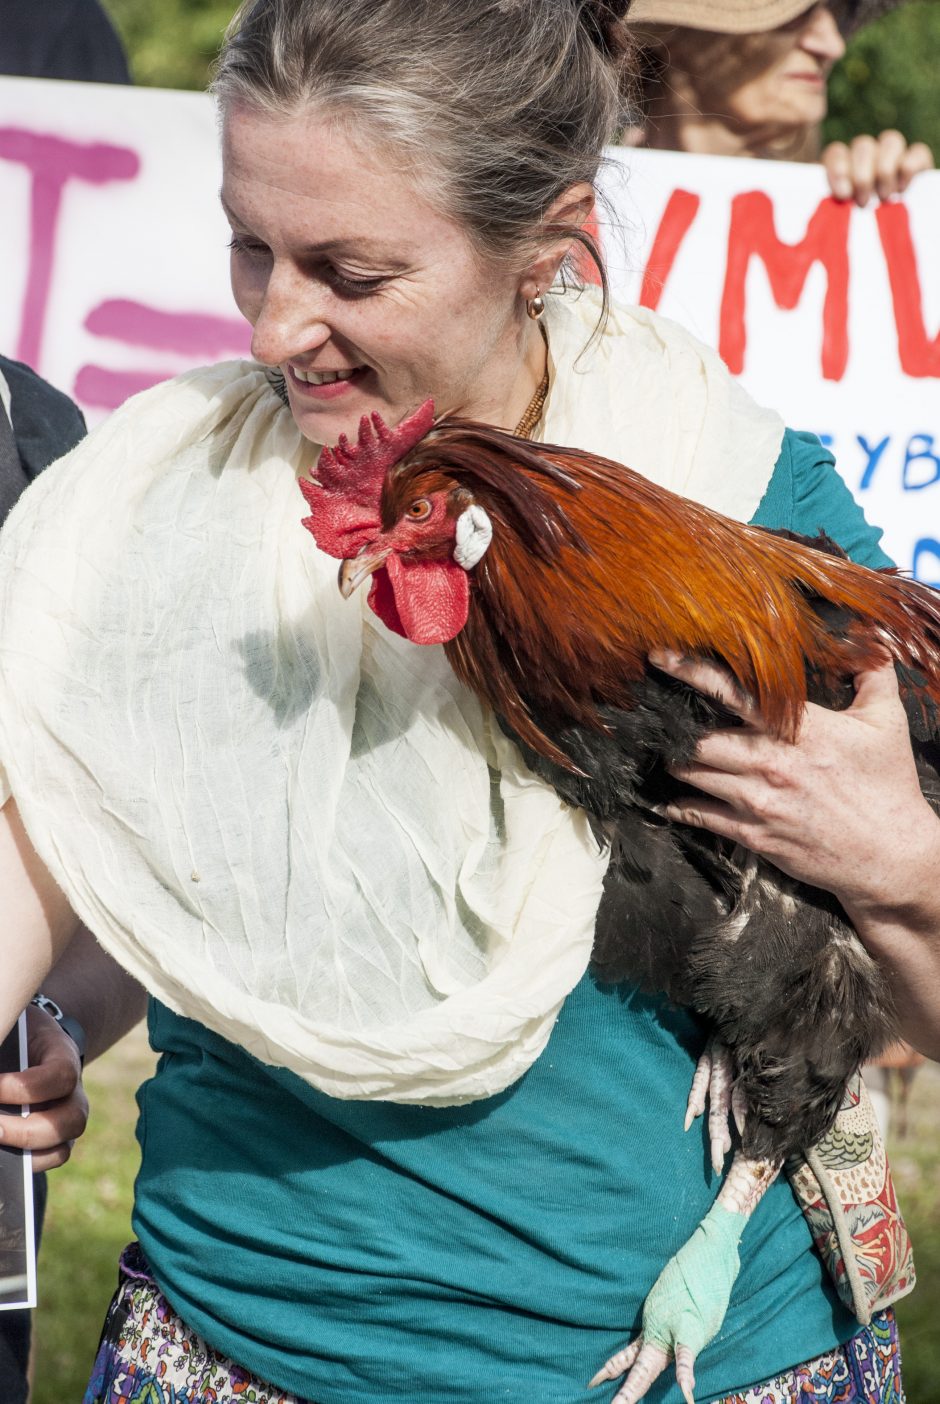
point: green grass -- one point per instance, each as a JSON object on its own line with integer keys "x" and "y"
{"x": 88, "y": 1224}
{"x": 915, "y": 1163}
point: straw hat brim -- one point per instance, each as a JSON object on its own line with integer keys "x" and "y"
{"x": 749, "y": 16}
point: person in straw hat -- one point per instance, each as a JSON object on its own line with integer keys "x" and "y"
{"x": 748, "y": 78}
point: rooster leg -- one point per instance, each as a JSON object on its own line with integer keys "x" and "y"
{"x": 747, "y": 1183}
{"x": 689, "y": 1300}
{"x": 713, "y": 1081}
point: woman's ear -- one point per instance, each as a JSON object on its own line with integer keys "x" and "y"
{"x": 571, "y": 210}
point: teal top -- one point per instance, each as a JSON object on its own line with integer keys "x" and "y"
{"x": 501, "y": 1250}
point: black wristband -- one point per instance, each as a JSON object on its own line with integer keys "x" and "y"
{"x": 65, "y": 1021}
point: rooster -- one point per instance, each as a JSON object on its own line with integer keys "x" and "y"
{"x": 550, "y": 576}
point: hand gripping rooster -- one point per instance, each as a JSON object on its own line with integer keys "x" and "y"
{"x": 549, "y": 576}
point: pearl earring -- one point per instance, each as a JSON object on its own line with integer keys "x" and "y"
{"x": 535, "y": 306}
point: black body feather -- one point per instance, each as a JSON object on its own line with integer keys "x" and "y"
{"x": 772, "y": 964}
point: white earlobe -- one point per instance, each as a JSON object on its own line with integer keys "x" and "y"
{"x": 474, "y": 534}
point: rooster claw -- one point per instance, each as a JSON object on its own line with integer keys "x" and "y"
{"x": 713, "y": 1084}
{"x": 642, "y": 1363}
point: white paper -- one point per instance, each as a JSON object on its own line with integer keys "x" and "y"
{"x": 17, "y": 1226}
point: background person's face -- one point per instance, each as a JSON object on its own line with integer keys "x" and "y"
{"x": 364, "y": 294}
{"x": 790, "y": 90}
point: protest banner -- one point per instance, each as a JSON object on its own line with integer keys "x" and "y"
{"x": 115, "y": 276}
{"x": 829, "y": 312}
{"x": 112, "y": 241}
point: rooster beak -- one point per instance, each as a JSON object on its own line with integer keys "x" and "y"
{"x": 359, "y": 568}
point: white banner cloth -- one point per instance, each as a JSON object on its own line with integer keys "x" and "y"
{"x": 115, "y": 276}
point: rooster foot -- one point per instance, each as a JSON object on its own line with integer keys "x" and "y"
{"x": 684, "y": 1310}
{"x": 642, "y": 1363}
{"x": 714, "y": 1085}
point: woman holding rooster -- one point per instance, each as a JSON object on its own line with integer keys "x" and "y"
{"x": 399, "y": 1141}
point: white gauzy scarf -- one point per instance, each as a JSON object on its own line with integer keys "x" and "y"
{"x": 285, "y": 821}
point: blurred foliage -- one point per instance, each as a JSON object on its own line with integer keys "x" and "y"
{"x": 888, "y": 78}
{"x": 171, "y": 43}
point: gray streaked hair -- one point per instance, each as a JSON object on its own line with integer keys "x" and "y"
{"x": 496, "y": 106}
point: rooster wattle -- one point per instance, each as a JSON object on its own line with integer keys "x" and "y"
{"x": 550, "y": 575}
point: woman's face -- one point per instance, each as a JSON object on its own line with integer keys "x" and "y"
{"x": 789, "y": 90}
{"x": 363, "y": 293}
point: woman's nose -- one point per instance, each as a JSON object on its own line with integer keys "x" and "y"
{"x": 291, "y": 321}
{"x": 821, "y": 36}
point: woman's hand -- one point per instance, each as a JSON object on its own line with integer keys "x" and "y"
{"x": 882, "y": 166}
{"x": 840, "y": 808}
{"x": 837, "y": 808}
{"x": 52, "y": 1087}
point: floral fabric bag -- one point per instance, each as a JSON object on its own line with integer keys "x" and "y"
{"x": 845, "y": 1189}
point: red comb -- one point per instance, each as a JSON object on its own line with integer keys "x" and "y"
{"x": 346, "y": 489}
{"x": 359, "y": 468}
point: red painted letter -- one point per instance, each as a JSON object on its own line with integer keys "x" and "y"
{"x": 53, "y": 162}
{"x": 201, "y": 335}
{"x": 673, "y": 227}
{"x": 917, "y": 353}
{"x": 753, "y": 233}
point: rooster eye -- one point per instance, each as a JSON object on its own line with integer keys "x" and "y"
{"x": 419, "y": 511}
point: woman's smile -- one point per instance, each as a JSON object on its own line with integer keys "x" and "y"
{"x": 325, "y": 384}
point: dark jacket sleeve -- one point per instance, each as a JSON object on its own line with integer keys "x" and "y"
{"x": 71, "y": 39}
{"x": 46, "y": 424}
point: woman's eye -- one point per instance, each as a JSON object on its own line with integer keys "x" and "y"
{"x": 353, "y": 287}
{"x": 419, "y": 511}
{"x": 247, "y": 247}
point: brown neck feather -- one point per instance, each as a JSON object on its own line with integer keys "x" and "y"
{"x": 591, "y": 566}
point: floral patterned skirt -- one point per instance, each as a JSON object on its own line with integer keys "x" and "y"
{"x": 148, "y": 1356}
{"x": 866, "y": 1370}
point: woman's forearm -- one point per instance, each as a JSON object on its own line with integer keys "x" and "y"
{"x": 38, "y": 922}
{"x": 95, "y": 990}
{"x": 903, "y": 934}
